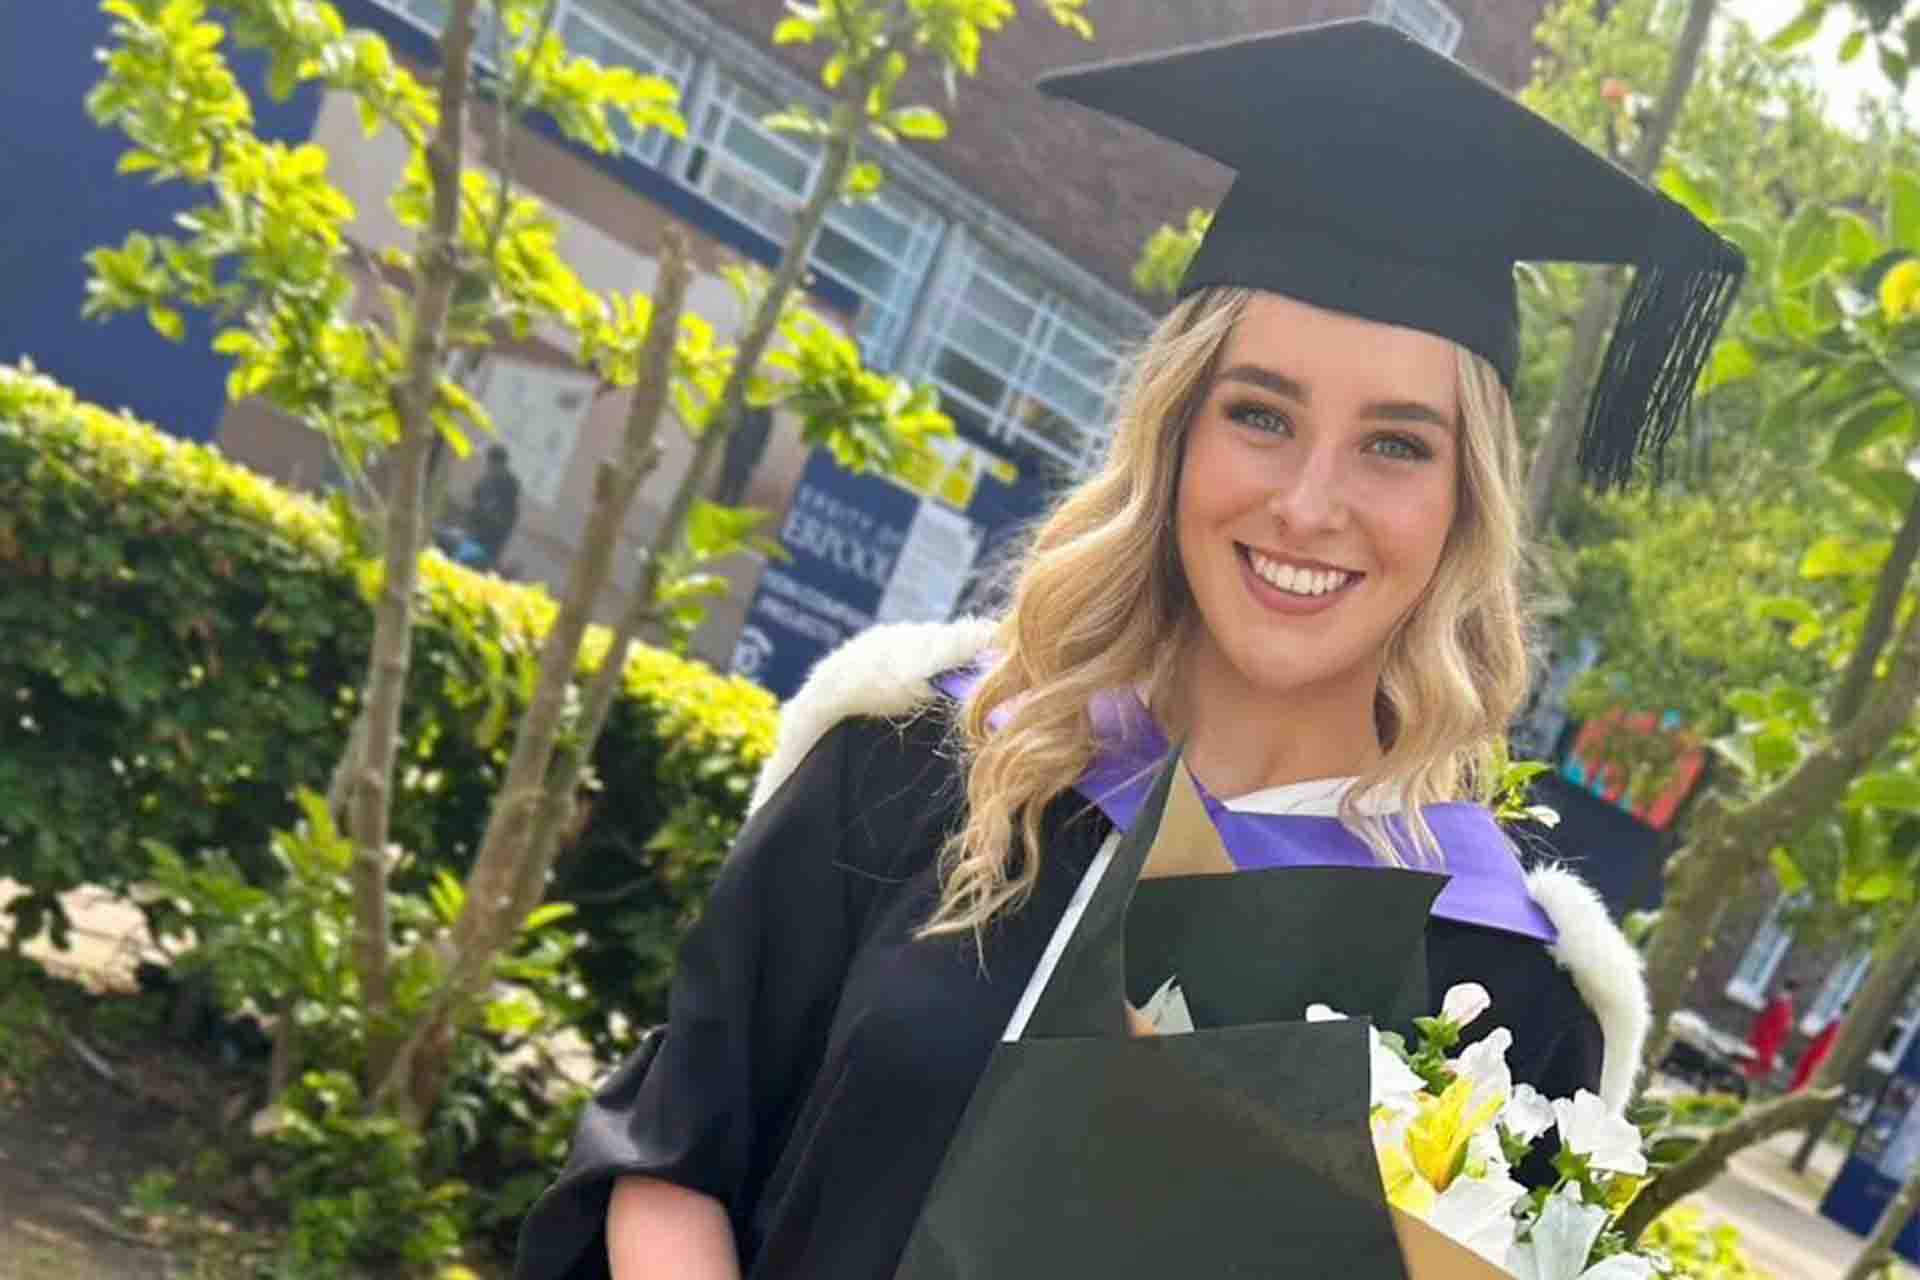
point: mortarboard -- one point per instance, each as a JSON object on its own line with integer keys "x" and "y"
{"x": 1377, "y": 177}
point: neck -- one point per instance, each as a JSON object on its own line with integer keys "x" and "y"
{"x": 1241, "y": 739}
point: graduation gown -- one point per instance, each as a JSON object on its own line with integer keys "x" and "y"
{"x": 818, "y": 1059}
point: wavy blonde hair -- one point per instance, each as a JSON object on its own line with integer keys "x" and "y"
{"x": 1100, "y": 602}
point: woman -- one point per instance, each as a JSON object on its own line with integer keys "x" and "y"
{"x": 1299, "y": 558}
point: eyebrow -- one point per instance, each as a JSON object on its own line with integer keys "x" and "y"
{"x": 1281, "y": 385}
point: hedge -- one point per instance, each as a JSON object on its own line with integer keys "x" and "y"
{"x": 181, "y": 642}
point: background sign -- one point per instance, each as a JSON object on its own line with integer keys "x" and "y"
{"x": 866, "y": 549}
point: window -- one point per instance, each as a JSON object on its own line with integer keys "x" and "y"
{"x": 1842, "y": 982}
{"x": 1428, "y": 21}
{"x": 757, "y": 175}
{"x": 1752, "y": 982}
{"x": 433, "y": 15}
{"x": 1893, "y": 1045}
{"x": 614, "y": 37}
{"x": 877, "y": 248}
{"x": 880, "y": 249}
{"x": 1015, "y": 361}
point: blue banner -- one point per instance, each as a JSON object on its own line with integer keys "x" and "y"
{"x": 864, "y": 549}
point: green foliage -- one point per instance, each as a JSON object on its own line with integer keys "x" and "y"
{"x": 353, "y": 1184}
{"x": 180, "y": 641}
{"x": 1896, "y": 46}
{"x": 877, "y": 43}
{"x": 1168, "y": 252}
{"x": 1697, "y": 1251}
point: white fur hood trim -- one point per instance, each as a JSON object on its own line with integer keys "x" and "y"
{"x": 888, "y": 671}
{"x": 1605, "y": 969}
{"x": 884, "y": 671}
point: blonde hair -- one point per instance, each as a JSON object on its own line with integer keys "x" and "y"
{"x": 1100, "y": 602}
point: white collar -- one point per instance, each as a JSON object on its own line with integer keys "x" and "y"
{"x": 1314, "y": 798}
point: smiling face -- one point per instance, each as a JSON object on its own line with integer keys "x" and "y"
{"x": 1316, "y": 494}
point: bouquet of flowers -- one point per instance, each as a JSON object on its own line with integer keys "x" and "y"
{"x": 1450, "y": 1130}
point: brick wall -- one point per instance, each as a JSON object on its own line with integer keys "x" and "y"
{"x": 1093, "y": 188}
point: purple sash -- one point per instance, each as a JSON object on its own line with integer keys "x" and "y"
{"x": 1486, "y": 888}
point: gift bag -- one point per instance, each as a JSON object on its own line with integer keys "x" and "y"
{"x": 1235, "y": 1150}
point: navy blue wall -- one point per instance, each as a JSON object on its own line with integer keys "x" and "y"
{"x": 60, "y": 197}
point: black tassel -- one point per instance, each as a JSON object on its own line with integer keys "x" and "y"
{"x": 1660, "y": 344}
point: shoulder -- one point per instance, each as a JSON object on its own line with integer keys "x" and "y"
{"x": 883, "y": 674}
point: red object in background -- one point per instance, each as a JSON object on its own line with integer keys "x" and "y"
{"x": 1816, "y": 1054}
{"x": 1586, "y": 764}
{"x": 1769, "y": 1035}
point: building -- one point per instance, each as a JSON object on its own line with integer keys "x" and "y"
{"x": 995, "y": 263}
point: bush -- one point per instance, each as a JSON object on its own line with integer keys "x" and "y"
{"x": 181, "y": 642}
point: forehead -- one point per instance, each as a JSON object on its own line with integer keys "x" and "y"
{"x": 1341, "y": 357}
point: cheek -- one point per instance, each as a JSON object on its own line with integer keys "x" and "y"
{"x": 1216, "y": 483}
{"x": 1418, "y": 528}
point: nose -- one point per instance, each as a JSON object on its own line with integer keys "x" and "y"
{"x": 1308, "y": 492}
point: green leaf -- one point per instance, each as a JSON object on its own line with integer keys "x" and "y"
{"x": 1893, "y": 65}
{"x": 547, "y": 913}
{"x": 1806, "y": 248}
{"x": 1866, "y": 424}
{"x": 795, "y": 31}
{"x": 864, "y": 180}
{"x": 922, "y": 124}
{"x": 1803, "y": 28}
{"x": 1899, "y": 791}
{"x": 1892, "y": 491}
{"x": 1850, "y": 47}
{"x": 1855, "y": 241}
{"x": 1732, "y": 362}
{"x": 166, "y": 322}
{"x": 1678, "y": 183}
{"x": 1787, "y": 871}
{"x": 1903, "y": 209}
{"x": 1832, "y": 557}
{"x": 1877, "y": 886}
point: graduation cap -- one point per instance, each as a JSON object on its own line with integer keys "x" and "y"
{"x": 1379, "y": 178}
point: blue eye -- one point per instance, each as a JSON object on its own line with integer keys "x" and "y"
{"x": 1260, "y": 417}
{"x": 1402, "y": 448}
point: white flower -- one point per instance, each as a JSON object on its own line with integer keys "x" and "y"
{"x": 1591, "y": 1128}
{"x": 1562, "y": 1238}
{"x": 1527, "y": 1114}
{"x": 1464, "y": 1002}
{"x": 1483, "y": 1064}
{"x": 1394, "y": 1083}
{"x": 1484, "y": 1152}
{"x": 1478, "y": 1212}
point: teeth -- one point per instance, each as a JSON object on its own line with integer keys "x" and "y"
{"x": 1292, "y": 578}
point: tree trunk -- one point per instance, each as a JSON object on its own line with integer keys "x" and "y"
{"x": 848, "y": 122}
{"x": 370, "y": 804}
{"x": 1682, "y": 1179}
{"x": 1729, "y": 844}
{"x": 488, "y": 920}
{"x": 1878, "y": 1251}
{"x": 1872, "y": 1011}
{"x": 1553, "y": 459}
{"x": 1887, "y": 594}
{"x": 286, "y": 1051}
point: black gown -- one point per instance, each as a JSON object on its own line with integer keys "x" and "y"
{"x": 818, "y": 1059}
